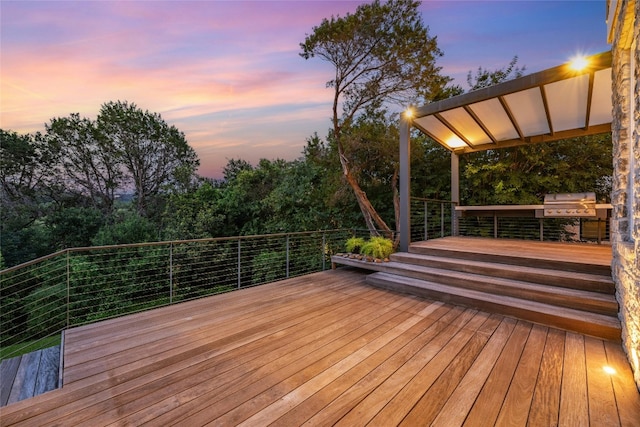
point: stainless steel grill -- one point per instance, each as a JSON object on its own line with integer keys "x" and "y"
{"x": 570, "y": 205}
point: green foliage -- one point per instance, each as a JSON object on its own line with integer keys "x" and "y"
{"x": 47, "y": 309}
{"x": 27, "y": 347}
{"x": 195, "y": 214}
{"x": 87, "y": 160}
{"x": 27, "y": 178}
{"x": 378, "y": 247}
{"x": 60, "y": 188}
{"x": 155, "y": 155}
{"x": 128, "y": 228}
{"x": 354, "y": 244}
{"x": 382, "y": 54}
{"x": 268, "y": 266}
{"x": 523, "y": 175}
{"x": 485, "y": 78}
{"x": 74, "y": 226}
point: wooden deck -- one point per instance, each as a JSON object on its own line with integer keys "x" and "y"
{"x": 538, "y": 253}
{"x": 328, "y": 349}
{"x": 31, "y": 374}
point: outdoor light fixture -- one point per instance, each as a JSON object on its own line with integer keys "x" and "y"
{"x": 408, "y": 113}
{"x": 578, "y": 63}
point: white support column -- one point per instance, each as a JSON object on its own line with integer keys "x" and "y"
{"x": 405, "y": 184}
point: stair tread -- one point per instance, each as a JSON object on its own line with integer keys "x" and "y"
{"x": 543, "y": 308}
{"x": 594, "y": 255}
{"x": 513, "y": 283}
{"x": 550, "y": 256}
{"x": 605, "y": 279}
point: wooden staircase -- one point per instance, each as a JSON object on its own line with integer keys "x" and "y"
{"x": 573, "y": 295}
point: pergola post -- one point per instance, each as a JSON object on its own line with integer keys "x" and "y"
{"x": 455, "y": 191}
{"x": 405, "y": 184}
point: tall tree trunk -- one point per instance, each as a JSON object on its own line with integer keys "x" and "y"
{"x": 396, "y": 204}
{"x": 372, "y": 219}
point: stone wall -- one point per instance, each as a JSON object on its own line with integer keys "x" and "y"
{"x": 625, "y": 28}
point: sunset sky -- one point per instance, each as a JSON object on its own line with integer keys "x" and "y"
{"x": 228, "y": 73}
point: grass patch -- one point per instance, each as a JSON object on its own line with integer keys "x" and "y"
{"x": 23, "y": 348}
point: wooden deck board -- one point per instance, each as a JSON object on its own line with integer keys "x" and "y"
{"x": 497, "y": 384}
{"x": 329, "y": 349}
{"x": 546, "y": 398}
{"x": 534, "y": 250}
{"x": 515, "y": 408}
{"x": 574, "y": 402}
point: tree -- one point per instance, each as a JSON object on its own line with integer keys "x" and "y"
{"x": 523, "y": 175}
{"x": 382, "y": 54}
{"x": 27, "y": 189}
{"x": 26, "y": 162}
{"x": 485, "y": 78}
{"x": 91, "y": 165}
{"x": 155, "y": 156}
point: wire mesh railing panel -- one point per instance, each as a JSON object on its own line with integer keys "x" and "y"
{"x": 77, "y": 286}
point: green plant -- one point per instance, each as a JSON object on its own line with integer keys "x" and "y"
{"x": 378, "y": 247}
{"x": 355, "y": 244}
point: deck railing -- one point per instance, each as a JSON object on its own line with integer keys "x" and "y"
{"x": 438, "y": 218}
{"x": 41, "y": 298}
{"x": 432, "y": 218}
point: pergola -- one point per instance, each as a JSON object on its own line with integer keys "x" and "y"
{"x": 550, "y": 105}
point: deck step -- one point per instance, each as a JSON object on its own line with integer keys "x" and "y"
{"x": 595, "y": 302}
{"x": 553, "y": 277}
{"x": 598, "y": 325}
{"x": 29, "y": 375}
{"x": 558, "y": 285}
{"x": 472, "y": 253}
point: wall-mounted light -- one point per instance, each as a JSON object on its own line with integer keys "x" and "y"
{"x": 578, "y": 63}
{"x": 408, "y": 113}
{"x": 609, "y": 370}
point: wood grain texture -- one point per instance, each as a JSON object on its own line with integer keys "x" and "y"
{"x": 329, "y": 349}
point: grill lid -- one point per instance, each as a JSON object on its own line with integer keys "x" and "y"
{"x": 570, "y": 205}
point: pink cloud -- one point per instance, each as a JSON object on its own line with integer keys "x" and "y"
{"x": 227, "y": 74}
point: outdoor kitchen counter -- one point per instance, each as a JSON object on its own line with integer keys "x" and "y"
{"x": 536, "y": 211}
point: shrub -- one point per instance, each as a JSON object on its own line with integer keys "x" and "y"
{"x": 378, "y": 247}
{"x": 355, "y": 244}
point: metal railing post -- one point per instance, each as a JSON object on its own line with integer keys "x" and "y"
{"x": 441, "y": 219}
{"x": 454, "y": 220}
{"x": 68, "y": 289}
{"x": 324, "y": 244}
{"x": 171, "y": 273}
{"x": 541, "y": 229}
{"x": 239, "y": 264}
{"x": 287, "y": 272}
{"x": 426, "y": 221}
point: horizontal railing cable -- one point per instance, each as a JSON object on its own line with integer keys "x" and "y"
{"x": 77, "y": 286}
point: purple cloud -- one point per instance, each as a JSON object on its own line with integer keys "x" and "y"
{"x": 228, "y": 74}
